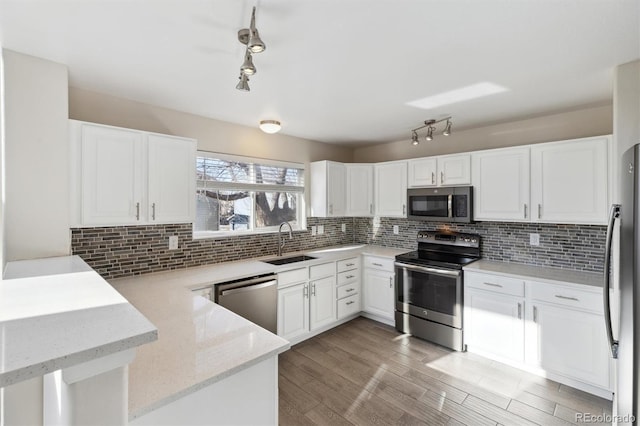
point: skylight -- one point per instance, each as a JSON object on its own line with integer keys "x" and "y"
{"x": 466, "y": 93}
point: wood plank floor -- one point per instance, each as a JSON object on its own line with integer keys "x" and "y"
{"x": 366, "y": 373}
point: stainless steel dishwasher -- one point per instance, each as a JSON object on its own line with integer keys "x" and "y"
{"x": 255, "y": 299}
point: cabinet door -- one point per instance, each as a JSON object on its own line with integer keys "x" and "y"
{"x": 171, "y": 179}
{"x": 569, "y": 181}
{"x": 570, "y": 343}
{"x": 336, "y": 187}
{"x": 454, "y": 170}
{"x": 422, "y": 172}
{"x": 494, "y": 324}
{"x": 359, "y": 190}
{"x": 391, "y": 189}
{"x": 112, "y": 170}
{"x": 293, "y": 311}
{"x": 501, "y": 184}
{"x": 378, "y": 293}
{"x": 323, "y": 302}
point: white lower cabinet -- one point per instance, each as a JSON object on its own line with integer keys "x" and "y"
{"x": 293, "y": 311}
{"x": 494, "y": 324}
{"x": 323, "y": 302}
{"x": 556, "y": 330}
{"x": 378, "y": 292}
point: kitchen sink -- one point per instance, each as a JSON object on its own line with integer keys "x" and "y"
{"x": 287, "y": 260}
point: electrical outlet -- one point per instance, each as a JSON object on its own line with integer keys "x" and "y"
{"x": 396, "y": 229}
{"x": 320, "y": 229}
{"x": 313, "y": 230}
{"x": 344, "y": 227}
{"x": 534, "y": 239}
{"x": 173, "y": 242}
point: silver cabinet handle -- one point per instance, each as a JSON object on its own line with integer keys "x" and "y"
{"x": 390, "y": 282}
{"x": 313, "y": 289}
{"x": 330, "y": 208}
{"x": 370, "y": 208}
{"x": 350, "y": 264}
{"x": 441, "y": 177}
{"x": 404, "y": 209}
{"x": 492, "y": 285}
{"x": 433, "y": 178}
{"x": 153, "y": 211}
{"x": 137, "y": 211}
{"x": 350, "y": 276}
{"x": 519, "y": 310}
{"x": 377, "y": 264}
{"x": 539, "y": 211}
{"x": 305, "y": 292}
{"x": 351, "y": 303}
{"x": 535, "y": 314}
{"x": 525, "y": 211}
{"x": 559, "y": 296}
{"x": 349, "y": 290}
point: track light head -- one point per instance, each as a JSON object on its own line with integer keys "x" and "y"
{"x": 447, "y": 129}
{"x": 414, "y": 139}
{"x": 430, "y": 130}
{"x": 244, "y": 83}
{"x": 256, "y": 45}
{"x": 247, "y": 67}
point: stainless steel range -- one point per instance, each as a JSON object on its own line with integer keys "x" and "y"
{"x": 429, "y": 286}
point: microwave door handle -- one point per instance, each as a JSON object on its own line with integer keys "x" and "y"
{"x": 450, "y": 204}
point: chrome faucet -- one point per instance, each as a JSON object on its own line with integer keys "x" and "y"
{"x": 281, "y": 240}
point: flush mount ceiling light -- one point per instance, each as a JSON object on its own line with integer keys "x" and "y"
{"x": 251, "y": 38}
{"x": 270, "y": 126}
{"x": 430, "y": 125}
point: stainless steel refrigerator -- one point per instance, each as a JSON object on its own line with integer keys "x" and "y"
{"x": 624, "y": 343}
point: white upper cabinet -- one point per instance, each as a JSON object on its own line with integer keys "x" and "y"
{"x": 328, "y": 189}
{"x": 391, "y": 189}
{"x": 569, "y": 181}
{"x": 423, "y": 172}
{"x": 171, "y": 181}
{"x": 444, "y": 170}
{"x": 128, "y": 177}
{"x": 454, "y": 169}
{"x": 359, "y": 190}
{"x": 111, "y": 170}
{"x": 501, "y": 184}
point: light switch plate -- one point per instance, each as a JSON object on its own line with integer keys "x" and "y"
{"x": 534, "y": 239}
{"x": 173, "y": 242}
{"x": 320, "y": 229}
{"x": 313, "y": 230}
{"x": 396, "y": 229}
{"x": 344, "y": 227}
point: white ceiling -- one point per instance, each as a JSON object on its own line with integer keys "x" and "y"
{"x": 335, "y": 70}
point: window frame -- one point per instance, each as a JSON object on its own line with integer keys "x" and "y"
{"x": 252, "y": 188}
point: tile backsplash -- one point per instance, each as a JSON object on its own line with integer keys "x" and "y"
{"x": 133, "y": 250}
{"x": 577, "y": 247}
{"x": 121, "y": 251}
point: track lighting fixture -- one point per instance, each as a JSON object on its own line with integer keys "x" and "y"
{"x": 251, "y": 38}
{"x": 244, "y": 82}
{"x": 430, "y": 125}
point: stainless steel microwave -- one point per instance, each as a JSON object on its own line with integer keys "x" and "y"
{"x": 442, "y": 204}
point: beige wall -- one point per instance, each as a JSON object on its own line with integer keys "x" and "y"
{"x": 212, "y": 135}
{"x": 569, "y": 125}
{"x": 36, "y": 157}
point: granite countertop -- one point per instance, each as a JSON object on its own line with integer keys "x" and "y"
{"x": 199, "y": 341}
{"x": 58, "y": 312}
{"x": 537, "y": 273}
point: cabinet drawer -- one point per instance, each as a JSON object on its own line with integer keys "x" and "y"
{"x": 496, "y": 283}
{"x": 348, "y": 306}
{"x": 565, "y": 295}
{"x": 347, "y": 264}
{"x": 381, "y": 263}
{"x": 348, "y": 290}
{"x": 324, "y": 270}
{"x": 292, "y": 277}
{"x": 348, "y": 276}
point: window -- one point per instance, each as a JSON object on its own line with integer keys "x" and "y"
{"x": 240, "y": 194}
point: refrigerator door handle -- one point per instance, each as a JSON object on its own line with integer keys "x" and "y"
{"x": 613, "y": 215}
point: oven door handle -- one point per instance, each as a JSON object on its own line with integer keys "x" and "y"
{"x": 437, "y": 271}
